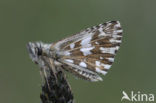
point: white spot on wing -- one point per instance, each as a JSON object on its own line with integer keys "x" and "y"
{"x": 116, "y": 41}
{"x": 106, "y": 66}
{"x": 87, "y": 45}
{"x": 102, "y": 33}
{"x": 101, "y": 58}
{"x": 72, "y": 45}
{"x": 118, "y": 24}
{"x": 108, "y": 50}
{"x": 115, "y": 35}
{"x": 86, "y": 51}
{"x": 80, "y": 72}
{"x": 67, "y": 53}
{"x": 83, "y": 64}
{"x": 101, "y": 71}
{"x": 96, "y": 42}
{"x": 69, "y": 60}
{"x": 111, "y": 59}
{"x": 119, "y": 31}
{"x": 117, "y": 47}
{"x": 97, "y": 63}
{"x": 86, "y": 41}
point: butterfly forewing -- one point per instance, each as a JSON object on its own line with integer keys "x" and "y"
{"x": 92, "y": 49}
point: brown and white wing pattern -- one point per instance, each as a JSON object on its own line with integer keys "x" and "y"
{"x": 91, "y": 51}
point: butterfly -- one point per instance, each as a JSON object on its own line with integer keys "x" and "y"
{"x": 86, "y": 54}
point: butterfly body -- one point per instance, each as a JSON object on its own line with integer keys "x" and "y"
{"x": 84, "y": 54}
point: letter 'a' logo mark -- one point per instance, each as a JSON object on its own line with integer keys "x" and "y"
{"x": 125, "y": 96}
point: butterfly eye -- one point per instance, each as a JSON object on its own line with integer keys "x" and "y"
{"x": 38, "y": 51}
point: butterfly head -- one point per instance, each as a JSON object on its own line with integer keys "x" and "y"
{"x": 36, "y": 50}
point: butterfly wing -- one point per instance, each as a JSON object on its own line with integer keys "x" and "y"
{"x": 91, "y": 50}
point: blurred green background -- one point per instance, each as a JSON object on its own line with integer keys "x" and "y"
{"x": 22, "y": 21}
